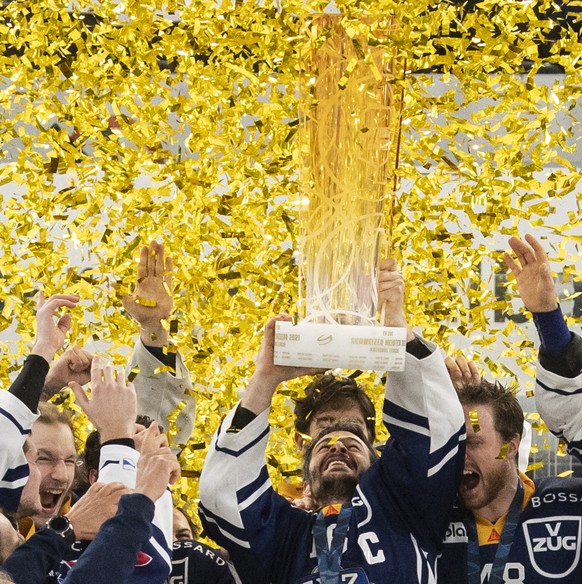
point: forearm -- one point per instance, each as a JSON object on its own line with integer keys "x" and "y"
{"x": 111, "y": 556}
{"x": 259, "y": 393}
{"x": 161, "y": 392}
{"x": 566, "y": 363}
{"x": 552, "y": 330}
{"x": 27, "y": 387}
{"x": 422, "y": 410}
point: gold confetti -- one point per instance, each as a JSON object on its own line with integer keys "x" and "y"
{"x": 503, "y": 452}
{"x": 133, "y": 374}
{"x": 561, "y": 450}
{"x": 474, "y": 419}
{"x": 566, "y": 473}
{"x": 146, "y": 302}
{"x": 97, "y": 162}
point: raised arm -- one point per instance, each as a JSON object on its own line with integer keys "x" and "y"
{"x": 559, "y": 370}
{"x": 267, "y": 376}
{"x": 162, "y": 382}
{"x": 151, "y": 300}
{"x": 422, "y": 412}
{"x": 73, "y": 365}
{"x": 120, "y": 539}
{"x": 532, "y": 273}
{"x": 112, "y": 407}
{"x": 51, "y": 331}
{"x": 19, "y": 405}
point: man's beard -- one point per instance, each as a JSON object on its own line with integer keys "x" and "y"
{"x": 333, "y": 489}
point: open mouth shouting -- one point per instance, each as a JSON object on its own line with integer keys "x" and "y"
{"x": 52, "y": 499}
{"x": 470, "y": 480}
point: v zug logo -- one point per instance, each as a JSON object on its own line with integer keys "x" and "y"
{"x": 324, "y": 339}
{"x": 553, "y": 544}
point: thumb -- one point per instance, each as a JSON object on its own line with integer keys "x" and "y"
{"x": 64, "y": 323}
{"x": 40, "y": 299}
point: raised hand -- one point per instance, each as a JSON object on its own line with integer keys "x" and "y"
{"x": 532, "y": 273}
{"x": 267, "y": 375}
{"x": 462, "y": 371}
{"x": 391, "y": 295}
{"x": 51, "y": 330}
{"x": 112, "y": 407}
{"x": 151, "y": 300}
{"x": 73, "y": 365}
{"x": 155, "y": 470}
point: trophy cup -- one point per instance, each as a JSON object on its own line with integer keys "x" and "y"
{"x": 348, "y": 147}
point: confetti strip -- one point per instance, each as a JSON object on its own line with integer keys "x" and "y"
{"x": 503, "y": 452}
{"x": 474, "y": 419}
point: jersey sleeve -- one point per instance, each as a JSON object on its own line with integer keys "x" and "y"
{"x": 161, "y": 393}
{"x": 559, "y": 400}
{"x": 427, "y": 431}
{"x": 118, "y": 463}
{"x": 238, "y": 507}
{"x": 16, "y": 420}
{"x": 112, "y": 555}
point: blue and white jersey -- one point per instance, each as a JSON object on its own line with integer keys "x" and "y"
{"x": 546, "y": 545}
{"x": 15, "y": 423}
{"x": 559, "y": 400}
{"x": 401, "y": 507}
{"x": 118, "y": 463}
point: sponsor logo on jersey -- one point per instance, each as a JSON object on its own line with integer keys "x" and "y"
{"x": 456, "y": 533}
{"x": 553, "y": 544}
{"x": 128, "y": 464}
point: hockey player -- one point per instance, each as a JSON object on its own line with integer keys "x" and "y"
{"x": 511, "y": 529}
{"x": 388, "y": 516}
{"x": 19, "y": 405}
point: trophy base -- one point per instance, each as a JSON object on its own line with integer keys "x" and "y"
{"x": 331, "y": 346}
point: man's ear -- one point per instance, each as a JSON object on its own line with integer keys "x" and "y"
{"x": 299, "y": 441}
{"x": 92, "y": 476}
{"x": 513, "y": 450}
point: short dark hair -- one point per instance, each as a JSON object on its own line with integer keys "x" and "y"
{"x": 92, "y": 451}
{"x": 337, "y": 427}
{"x": 507, "y": 413}
{"x": 333, "y": 392}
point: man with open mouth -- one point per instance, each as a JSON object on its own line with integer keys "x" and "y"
{"x": 509, "y": 527}
{"x": 57, "y": 459}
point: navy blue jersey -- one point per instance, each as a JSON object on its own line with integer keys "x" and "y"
{"x": 194, "y": 562}
{"x": 118, "y": 464}
{"x": 546, "y": 545}
{"x": 401, "y": 507}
